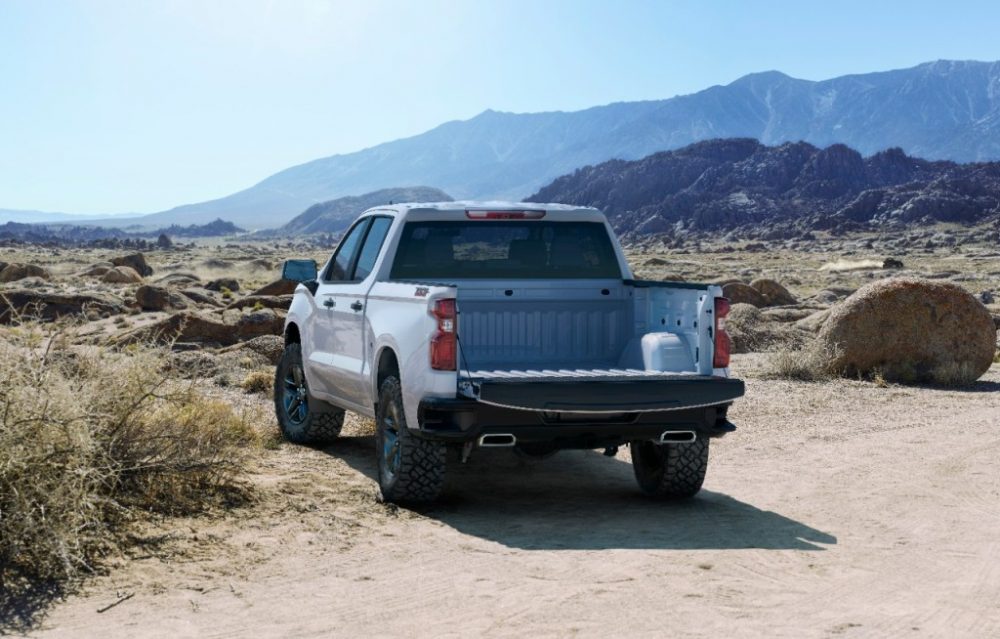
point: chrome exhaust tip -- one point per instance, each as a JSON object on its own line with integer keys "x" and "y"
{"x": 497, "y": 440}
{"x": 678, "y": 437}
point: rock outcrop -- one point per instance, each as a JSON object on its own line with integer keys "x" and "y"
{"x": 48, "y": 306}
{"x": 15, "y": 271}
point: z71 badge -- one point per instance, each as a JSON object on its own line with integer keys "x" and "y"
{"x": 421, "y": 291}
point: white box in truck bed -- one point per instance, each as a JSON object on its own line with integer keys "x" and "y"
{"x": 487, "y": 324}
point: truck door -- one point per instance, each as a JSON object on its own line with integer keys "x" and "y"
{"x": 349, "y": 363}
{"x": 328, "y": 349}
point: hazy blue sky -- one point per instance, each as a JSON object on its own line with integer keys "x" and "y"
{"x": 129, "y": 105}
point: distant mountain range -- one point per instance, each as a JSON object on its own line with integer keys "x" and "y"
{"x": 938, "y": 110}
{"x": 67, "y": 233}
{"x": 779, "y": 191}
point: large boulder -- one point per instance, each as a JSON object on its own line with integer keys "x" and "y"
{"x": 15, "y": 271}
{"x": 136, "y": 261}
{"x": 122, "y": 275}
{"x": 49, "y": 306}
{"x": 740, "y": 293}
{"x": 158, "y": 298}
{"x": 910, "y": 330}
{"x": 773, "y": 292}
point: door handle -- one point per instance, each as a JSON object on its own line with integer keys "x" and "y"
{"x": 357, "y": 306}
{"x": 329, "y": 303}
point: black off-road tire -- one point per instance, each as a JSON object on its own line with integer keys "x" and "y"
{"x": 670, "y": 471}
{"x": 410, "y": 469}
{"x": 310, "y": 421}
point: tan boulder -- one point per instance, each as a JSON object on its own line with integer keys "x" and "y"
{"x": 15, "y": 271}
{"x": 773, "y": 292}
{"x": 122, "y": 275}
{"x": 740, "y": 293}
{"x": 910, "y": 330}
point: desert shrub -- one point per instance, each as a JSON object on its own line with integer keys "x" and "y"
{"x": 808, "y": 364}
{"x": 90, "y": 440}
{"x": 258, "y": 382}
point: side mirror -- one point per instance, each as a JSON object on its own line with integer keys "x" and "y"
{"x": 299, "y": 270}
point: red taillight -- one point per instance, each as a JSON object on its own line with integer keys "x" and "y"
{"x": 443, "y": 343}
{"x": 504, "y": 215}
{"x": 722, "y": 344}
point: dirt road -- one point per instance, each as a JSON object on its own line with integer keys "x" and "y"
{"x": 838, "y": 509}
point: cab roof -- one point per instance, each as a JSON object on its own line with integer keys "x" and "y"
{"x": 450, "y": 210}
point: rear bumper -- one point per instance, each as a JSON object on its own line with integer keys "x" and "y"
{"x": 462, "y": 420}
{"x": 611, "y": 394}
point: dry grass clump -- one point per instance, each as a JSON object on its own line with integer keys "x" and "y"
{"x": 258, "y": 382}
{"x": 809, "y": 364}
{"x": 92, "y": 440}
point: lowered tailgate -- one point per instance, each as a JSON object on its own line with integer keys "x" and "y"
{"x": 598, "y": 390}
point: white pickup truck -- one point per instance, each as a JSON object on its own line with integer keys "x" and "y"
{"x": 502, "y": 325}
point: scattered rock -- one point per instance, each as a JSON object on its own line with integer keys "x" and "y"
{"x": 773, "y": 292}
{"x": 15, "y": 271}
{"x": 229, "y": 283}
{"x": 206, "y": 328}
{"x": 49, "y": 306}
{"x": 281, "y": 302}
{"x": 987, "y": 297}
{"x": 178, "y": 279}
{"x": 122, "y": 275}
{"x": 740, "y": 293}
{"x": 814, "y": 322}
{"x": 270, "y": 347}
{"x": 200, "y": 297}
{"x": 279, "y": 287}
{"x": 193, "y": 364}
{"x": 135, "y": 261}
{"x": 158, "y": 298}
{"x": 910, "y": 330}
{"x": 97, "y": 270}
{"x": 891, "y": 262}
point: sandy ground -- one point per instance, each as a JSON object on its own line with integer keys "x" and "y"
{"x": 838, "y": 509}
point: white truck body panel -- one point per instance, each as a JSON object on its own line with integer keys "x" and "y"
{"x": 529, "y": 328}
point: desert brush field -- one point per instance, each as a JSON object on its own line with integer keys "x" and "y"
{"x": 146, "y": 490}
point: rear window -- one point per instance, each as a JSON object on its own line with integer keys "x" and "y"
{"x": 505, "y": 250}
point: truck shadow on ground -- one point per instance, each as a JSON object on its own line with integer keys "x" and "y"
{"x": 582, "y": 500}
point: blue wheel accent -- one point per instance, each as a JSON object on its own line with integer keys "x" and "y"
{"x": 294, "y": 398}
{"x": 392, "y": 453}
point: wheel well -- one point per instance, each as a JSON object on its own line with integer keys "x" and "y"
{"x": 387, "y": 365}
{"x": 292, "y": 335}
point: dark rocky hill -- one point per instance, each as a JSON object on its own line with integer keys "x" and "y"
{"x": 333, "y": 216}
{"x": 795, "y": 187}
